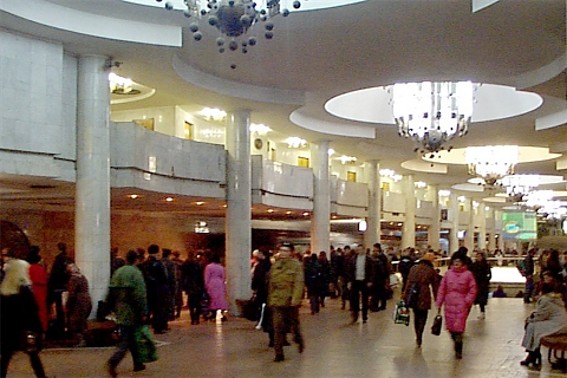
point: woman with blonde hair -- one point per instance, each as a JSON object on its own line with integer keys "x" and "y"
{"x": 20, "y": 326}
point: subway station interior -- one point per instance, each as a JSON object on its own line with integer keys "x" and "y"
{"x": 236, "y": 125}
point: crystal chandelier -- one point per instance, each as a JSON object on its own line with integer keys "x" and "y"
{"x": 432, "y": 113}
{"x": 233, "y": 19}
{"x": 517, "y": 186}
{"x": 491, "y": 163}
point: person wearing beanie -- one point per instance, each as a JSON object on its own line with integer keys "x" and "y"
{"x": 457, "y": 292}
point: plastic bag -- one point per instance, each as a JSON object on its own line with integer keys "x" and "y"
{"x": 401, "y": 313}
{"x": 146, "y": 345}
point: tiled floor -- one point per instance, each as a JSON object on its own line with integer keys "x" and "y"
{"x": 334, "y": 348}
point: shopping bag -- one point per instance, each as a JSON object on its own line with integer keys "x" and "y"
{"x": 437, "y": 323}
{"x": 401, "y": 313}
{"x": 146, "y": 345}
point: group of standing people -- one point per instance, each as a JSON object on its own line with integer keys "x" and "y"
{"x": 27, "y": 293}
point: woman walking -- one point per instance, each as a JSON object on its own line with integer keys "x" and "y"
{"x": 421, "y": 278}
{"x": 215, "y": 283}
{"x": 79, "y": 304}
{"x": 457, "y": 292}
{"x": 19, "y": 318}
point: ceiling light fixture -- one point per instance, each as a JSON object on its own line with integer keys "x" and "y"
{"x": 491, "y": 163}
{"x": 233, "y": 19}
{"x": 213, "y": 114}
{"x": 432, "y": 113}
{"x": 259, "y": 128}
{"x": 517, "y": 186}
{"x": 295, "y": 142}
{"x": 347, "y": 159}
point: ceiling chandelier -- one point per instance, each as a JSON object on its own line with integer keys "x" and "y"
{"x": 432, "y": 113}
{"x": 233, "y": 18}
{"x": 491, "y": 163}
{"x": 517, "y": 186}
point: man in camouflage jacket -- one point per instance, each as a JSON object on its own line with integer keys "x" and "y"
{"x": 285, "y": 292}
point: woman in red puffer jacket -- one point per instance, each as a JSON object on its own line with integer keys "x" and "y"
{"x": 457, "y": 291}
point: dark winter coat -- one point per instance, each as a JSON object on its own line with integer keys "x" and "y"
{"x": 423, "y": 275}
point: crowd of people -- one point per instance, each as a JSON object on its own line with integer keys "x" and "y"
{"x": 153, "y": 286}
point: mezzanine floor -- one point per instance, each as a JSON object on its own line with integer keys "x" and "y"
{"x": 334, "y": 348}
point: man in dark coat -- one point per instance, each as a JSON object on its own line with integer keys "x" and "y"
{"x": 360, "y": 276}
{"x": 56, "y": 285}
{"x": 157, "y": 286}
{"x": 193, "y": 285}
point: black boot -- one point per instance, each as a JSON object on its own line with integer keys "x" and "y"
{"x": 458, "y": 346}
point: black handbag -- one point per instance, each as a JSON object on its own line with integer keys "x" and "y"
{"x": 412, "y": 296}
{"x": 437, "y": 323}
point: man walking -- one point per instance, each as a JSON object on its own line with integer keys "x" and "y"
{"x": 360, "y": 280}
{"x": 285, "y": 291}
{"x": 127, "y": 296}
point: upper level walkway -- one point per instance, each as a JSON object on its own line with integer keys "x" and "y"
{"x": 334, "y": 348}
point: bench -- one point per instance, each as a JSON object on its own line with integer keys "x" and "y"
{"x": 557, "y": 346}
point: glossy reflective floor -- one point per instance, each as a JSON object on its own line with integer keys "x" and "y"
{"x": 334, "y": 348}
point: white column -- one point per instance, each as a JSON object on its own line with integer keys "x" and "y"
{"x": 321, "y": 220}
{"x": 499, "y": 241}
{"x": 470, "y": 231}
{"x": 408, "y": 231}
{"x": 492, "y": 235}
{"x": 372, "y": 234}
{"x": 482, "y": 227}
{"x": 454, "y": 237}
{"x": 238, "y": 213}
{"x": 435, "y": 228}
{"x": 92, "y": 191}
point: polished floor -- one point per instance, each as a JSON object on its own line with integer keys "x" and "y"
{"x": 334, "y": 348}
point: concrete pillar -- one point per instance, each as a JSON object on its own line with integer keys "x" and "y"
{"x": 454, "y": 237}
{"x": 408, "y": 231}
{"x": 372, "y": 234}
{"x": 482, "y": 227}
{"x": 238, "y": 213}
{"x": 321, "y": 220}
{"x": 435, "y": 228}
{"x": 497, "y": 228}
{"x": 470, "y": 230}
{"x": 92, "y": 191}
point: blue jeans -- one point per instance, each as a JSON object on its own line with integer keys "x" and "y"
{"x": 127, "y": 343}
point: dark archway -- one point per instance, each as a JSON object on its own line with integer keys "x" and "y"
{"x": 12, "y": 237}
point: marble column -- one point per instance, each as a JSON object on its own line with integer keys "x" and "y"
{"x": 482, "y": 227}
{"x": 92, "y": 190}
{"x": 454, "y": 236}
{"x": 372, "y": 234}
{"x": 238, "y": 213}
{"x": 435, "y": 228}
{"x": 470, "y": 230}
{"x": 408, "y": 231}
{"x": 492, "y": 235}
{"x": 321, "y": 219}
{"x": 498, "y": 229}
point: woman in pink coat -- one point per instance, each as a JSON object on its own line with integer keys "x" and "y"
{"x": 457, "y": 291}
{"x": 215, "y": 284}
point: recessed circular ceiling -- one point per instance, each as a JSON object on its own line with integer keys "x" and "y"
{"x": 541, "y": 179}
{"x": 467, "y": 187}
{"x": 525, "y": 155}
{"x": 373, "y": 105}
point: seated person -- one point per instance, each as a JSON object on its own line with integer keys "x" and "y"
{"x": 549, "y": 317}
{"x": 499, "y": 292}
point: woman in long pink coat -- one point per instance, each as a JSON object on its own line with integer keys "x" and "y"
{"x": 457, "y": 291}
{"x": 215, "y": 279}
